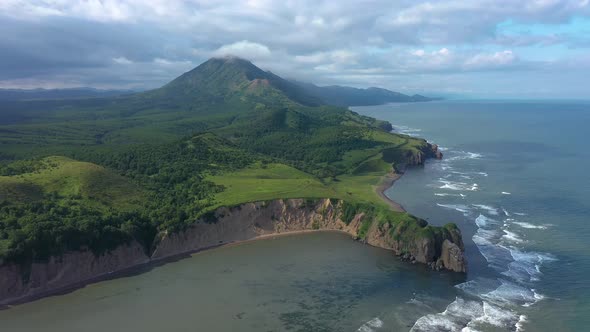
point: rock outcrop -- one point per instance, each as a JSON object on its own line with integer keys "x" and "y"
{"x": 415, "y": 241}
{"x": 419, "y": 156}
{"x": 452, "y": 257}
{"x": 385, "y": 125}
{"x": 434, "y": 151}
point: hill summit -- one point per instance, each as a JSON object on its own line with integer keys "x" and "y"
{"x": 232, "y": 78}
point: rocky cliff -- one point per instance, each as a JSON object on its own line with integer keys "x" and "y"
{"x": 418, "y": 156}
{"x": 412, "y": 239}
{"x": 18, "y": 282}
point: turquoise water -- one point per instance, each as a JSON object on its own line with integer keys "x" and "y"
{"x": 515, "y": 179}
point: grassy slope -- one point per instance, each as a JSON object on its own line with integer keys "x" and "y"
{"x": 264, "y": 182}
{"x": 65, "y": 177}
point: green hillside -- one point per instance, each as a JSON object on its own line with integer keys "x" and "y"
{"x": 64, "y": 177}
{"x": 99, "y": 172}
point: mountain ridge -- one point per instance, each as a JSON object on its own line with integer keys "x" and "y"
{"x": 226, "y": 78}
{"x": 339, "y": 95}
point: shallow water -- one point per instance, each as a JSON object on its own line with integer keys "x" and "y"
{"x": 514, "y": 178}
{"x": 308, "y": 282}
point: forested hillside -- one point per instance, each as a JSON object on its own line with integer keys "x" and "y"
{"x": 95, "y": 173}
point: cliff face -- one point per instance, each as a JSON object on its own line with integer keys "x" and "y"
{"x": 416, "y": 158}
{"x": 243, "y": 222}
{"x": 251, "y": 220}
{"x": 68, "y": 270}
{"x": 434, "y": 152}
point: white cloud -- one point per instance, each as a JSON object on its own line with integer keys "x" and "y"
{"x": 167, "y": 62}
{"x": 486, "y": 61}
{"x": 443, "y": 52}
{"x": 312, "y": 58}
{"x": 317, "y": 40}
{"x": 418, "y": 52}
{"x": 122, "y": 60}
{"x": 244, "y": 49}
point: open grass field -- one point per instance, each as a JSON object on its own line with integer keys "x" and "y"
{"x": 271, "y": 181}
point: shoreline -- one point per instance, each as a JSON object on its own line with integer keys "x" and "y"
{"x": 148, "y": 266}
{"x": 387, "y": 182}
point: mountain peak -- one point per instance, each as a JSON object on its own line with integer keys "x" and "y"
{"x": 228, "y": 77}
{"x": 229, "y": 58}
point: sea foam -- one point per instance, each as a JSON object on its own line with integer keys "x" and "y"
{"x": 462, "y": 155}
{"x": 511, "y": 237}
{"x": 483, "y": 221}
{"x": 490, "y": 209}
{"x": 457, "y": 207}
{"x": 468, "y": 315}
{"x": 510, "y": 293}
{"x": 526, "y": 266}
{"x": 457, "y": 186}
{"x": 455, "y": 317}
{"x": 529, "y": 225}
{"x": 371, "y": 325}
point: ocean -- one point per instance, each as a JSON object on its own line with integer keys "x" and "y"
{"x": 514, "y": 178}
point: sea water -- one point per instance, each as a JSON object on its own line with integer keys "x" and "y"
{"x": 514, "y": 177}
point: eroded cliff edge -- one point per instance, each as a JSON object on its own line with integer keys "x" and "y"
{"x": 406, "y": 236}
{"x": 410, "y": 238}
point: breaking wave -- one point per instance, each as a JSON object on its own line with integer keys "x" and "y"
{"x": 458, "y": 186}
{"x": 462, "y": 155}
{"x": 530, "y": 226}
{"x": 405, "y": 130}
{"x": 489, "y": 209}
{"x": 457, "y": 207}
{"x": 468, "y": 315}
{"x": 371, "y": 325}
{"x": 511, "y": 237}
{"x": 488, "y": 302}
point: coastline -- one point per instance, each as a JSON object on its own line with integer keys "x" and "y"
{"x": 154, "y": 263}
{"x": 387, "y": 182}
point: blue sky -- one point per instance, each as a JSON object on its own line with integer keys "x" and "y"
{"x": 475, "y": 49}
